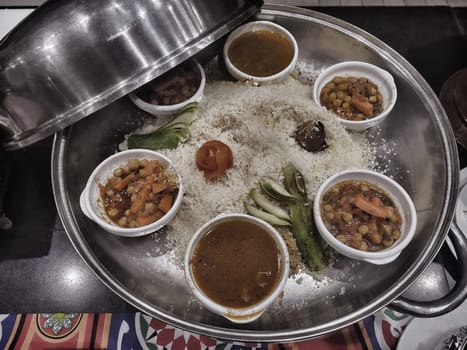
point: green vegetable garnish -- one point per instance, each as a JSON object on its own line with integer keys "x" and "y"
{"x": 169, "y": 135}
{"x": 303, "y": 227}
{"x": 270, "y": 218}
{"x": 298, "y": 213}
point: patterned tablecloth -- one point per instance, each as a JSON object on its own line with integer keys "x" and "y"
{"x": 138, "y": 331}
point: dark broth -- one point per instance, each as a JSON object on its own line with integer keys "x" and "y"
{"x": 236, "y": 264}
{"x": 261, "y": 53}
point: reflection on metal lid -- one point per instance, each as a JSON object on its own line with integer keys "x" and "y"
{"x": 70, "y": 58}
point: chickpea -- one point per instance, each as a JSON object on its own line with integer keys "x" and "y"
{"x": 110, "y": 193}
{"x": 357, "y": 236}
{"x": 132, "y": 224}
{"x": 347, "y": 98}
{"x": 375, "y": 238}
{"x": 126, "y": 170}
{"x": 363, "y": 246}
{"x": 118, "y": 172}
{"x": 332, "y": 96}
{"x": 149, "y": 206}
{"x": 360, "y": 245}
{"x": 347, "y": 217}
{"x": 143, "y": 163}
{"x": 341, "y": 238}
{"x": 387, "y": 229}
{"x": 130, "y": 189}
{"x": 133, "y": 164}
{"x": 346, "y": 105}
{"x": 330, "y": 216}
{"x": 388, "y": 241}
{"x": 364, "y": 188}
{"x": 342, "y": 86}
{"x": 396, "y": 234}
{"x": 123, "y": 221}
{"x": 127, "y": 212}
{"x": 371, "y": 91}
{"x": 327, "y": 207}
{"x": 394, "y": 217}
{"x": 338, "y": 80}
{"x": 373, "y": 99}
{"x": 363, "y": 229}
{"x": 337, "y": 102}
{"x": 143, "y": 172}
{"x": 113, "y": 212}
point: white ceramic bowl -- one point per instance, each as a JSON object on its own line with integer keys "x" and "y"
{"x": 165, "y": 111}
{"x": 398, "y": 195}
{"x": 378, "y": 76}
{"x": 246, "y": 314}
{"x": 254, "y": 26}
{"x": 91, "y": 202}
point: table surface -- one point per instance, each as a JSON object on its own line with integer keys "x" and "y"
{"x": 39, "y": 268}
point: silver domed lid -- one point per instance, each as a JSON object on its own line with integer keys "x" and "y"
{"x": 69, "y": 59}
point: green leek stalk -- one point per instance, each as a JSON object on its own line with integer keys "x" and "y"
{"x": 303, "y": 227}
{"x": 169, "y": 135}
{"x": 298, "y": 216}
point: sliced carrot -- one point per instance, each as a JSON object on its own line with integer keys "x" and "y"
{"x": 171, "y": 189}
{"x": 149, "y": 180}
{"x": 158, "y": 187}
{"x": 166, "y": 202}
{"x": 153, "y": 167}
{"x": 141, "y": 198}
{"x": 146, "y": 220}
{"x": 367, "y": 206}
{"x": 376, "y": 201}
{"x": 124, "y": 182}
{"x": 362, "y": 104}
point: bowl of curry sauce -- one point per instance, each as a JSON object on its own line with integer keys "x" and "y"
{"x": 260, "y": 52}
{"x": 237, "y": 265}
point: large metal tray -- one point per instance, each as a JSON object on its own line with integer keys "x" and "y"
{"x": 424, "y": 161}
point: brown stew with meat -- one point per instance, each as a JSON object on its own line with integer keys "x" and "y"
{"x": 352, "y": 98}
{"x": 139, "y": 193}
{"x": 173, "y": 87}
{"x": 361, "y": 215}
{"x": 236, "y": 264}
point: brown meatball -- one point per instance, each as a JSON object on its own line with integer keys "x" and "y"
{"x": 311, "y": 136}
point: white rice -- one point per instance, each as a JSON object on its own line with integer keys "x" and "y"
{"x": 258, "y": 124}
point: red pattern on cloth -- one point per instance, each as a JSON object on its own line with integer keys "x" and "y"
{"x": 140, "y": 332}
